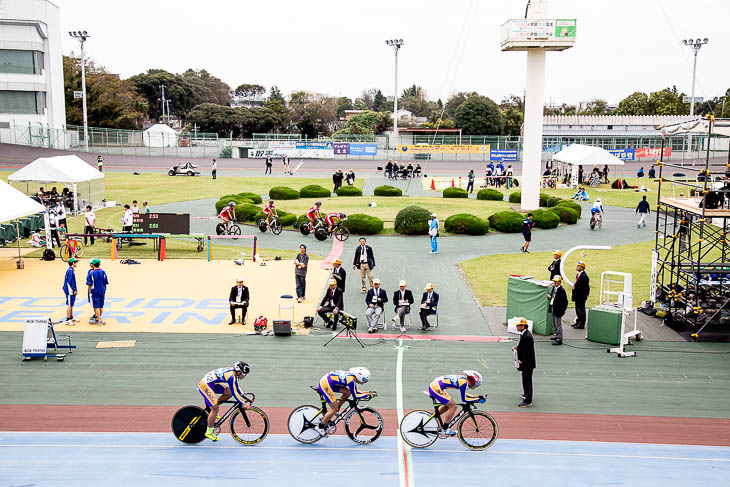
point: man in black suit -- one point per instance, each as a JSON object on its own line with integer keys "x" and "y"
{"x": 581, "y": 290}
{"x": 429, "y": 305}
{"x": 402, "y": 299}
{"x": 364, "y": 261}
{"x": 331, "y": 303}
{"x": 554, "y": 268}
{"x": 238, "y": 299}
{"x": 558, "y": 304}
{"x": 339, "y": 274}
{"x": 375, "y": 300}
{"x": 525, "y": 361}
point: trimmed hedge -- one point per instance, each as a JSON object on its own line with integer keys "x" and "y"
{"x": 256, "y": 198}
{"x": 455, "y": 193}
{"x": 545, "y": 219}
{"x": 301, "y": 219}
{"x": 490, "y": 194}
{"x": 228, "y": 198}
{"x": 515, "y": 197}
{"x": 466, "y": 224}
{"x": 553, "y": 201}
{"x": 314, "y": 191}
{"x": 566, "y": 214}
{"x": 246, "y": 212}
{"x": 283, "y": 193}
{"x": 349, "y": 191}
{"x": 362, "y": 224}
{"x": 544, "y": 197}
{"x": 571, "y": 204}
{"x": 412, "y": 220}
{"x": 387, "y": 190}
{"x": 507, "y": 221}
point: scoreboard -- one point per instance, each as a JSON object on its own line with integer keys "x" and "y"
{"x": 172, "y": 223}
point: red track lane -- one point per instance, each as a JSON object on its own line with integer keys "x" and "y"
{"x": 512, "y": 425}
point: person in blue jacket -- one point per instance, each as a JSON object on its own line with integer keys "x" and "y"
{"x": 69, "y": 289}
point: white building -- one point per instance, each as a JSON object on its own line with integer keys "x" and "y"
{"x": 31, "y": 68}
{"x": 608, "y": 125}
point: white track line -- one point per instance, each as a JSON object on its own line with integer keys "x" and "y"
{"x": 405, "y": 465}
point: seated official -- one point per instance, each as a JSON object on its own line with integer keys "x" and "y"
{"x": 402, "y": 299}
{"x": 238, "y": 299}
{"x": 429, "y": 305}
{"x": 375, "y": 299}
{"x": 331, "y": 303}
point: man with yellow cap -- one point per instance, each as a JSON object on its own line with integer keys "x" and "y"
{"x": 525, "y": 361}
{"x": 339, "y": 274}
{"x": 331, "y": 303}
{"x": 554, "y": 268}
{"x": 581, "y": 290}
{"x": 558, "y": 304}
{"x": 429, "y": 304}
{"x": 375, "y": 300}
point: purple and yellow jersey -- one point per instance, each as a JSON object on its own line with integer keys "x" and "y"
{"x": 335, "y": 380}
{"x": 437, "y": 388}
{"x": 214, "y": 382}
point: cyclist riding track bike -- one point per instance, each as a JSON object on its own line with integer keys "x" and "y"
{"x": 333, "y": 218}
{"x": 597, "y": 213}
{"x": 228, "y": 213}
{"x": 223, "y": 381}
{"x": 344, "y": 382}
{"x": 437, "y": 390}
{"x": 270, "y": 211}
{"x": 314, "y": 214}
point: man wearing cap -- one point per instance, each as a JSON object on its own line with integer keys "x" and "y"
{"x": 558, "y": 304}
{"x": 581, "y": 290}
{"x": 554, "y": 268}
{"x": 339, "y": 274}
{"x": 375, "y": 299}
{"x": 527, "y": 225}
{"x": 429, "y": 303}
{"x": 97, "y": 281}
{"x": 433, "y": 232}
{"x": 300, "y": 272}
{"x": 402, "y": 299}
{"x": 525, "y": 361}
{"x": 238, "y": 299}
{"x": 69, "y": 289}
{"x": 331, "y": 303}
{"x": 364, "y": 261}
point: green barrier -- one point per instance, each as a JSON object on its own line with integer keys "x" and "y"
{"x": 604, "y": 325}
{"x": 528, "y": 299}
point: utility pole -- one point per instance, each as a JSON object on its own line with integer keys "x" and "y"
{"x": 396, "y": 44}
{"x": 695, "y": 45}
{"x": 162, "y": 89}
{"x": 81, "y": 36}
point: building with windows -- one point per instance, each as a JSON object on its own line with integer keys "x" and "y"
{"x": 31, "y": 72}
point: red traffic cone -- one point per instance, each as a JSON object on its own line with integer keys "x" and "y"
{"x": 433, "y": 185}
{"x": 452, "y": 182}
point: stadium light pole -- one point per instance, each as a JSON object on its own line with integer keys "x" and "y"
{"x": 396, "y": 44}
{"x": 695, "y": 45}
{"x": 81, "y": 36}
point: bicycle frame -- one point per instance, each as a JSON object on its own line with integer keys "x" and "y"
{"x": 236, "y": 407}
{"x": 352, "y": 404}
{"x": 466, "y": 408}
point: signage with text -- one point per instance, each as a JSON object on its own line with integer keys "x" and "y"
{"x": 152, "y": 223}
{"x": 653, "y": 152}
{"x": 623, "y": 154}
{"x": 448, "y": 149}
{"x": 502, "y": 155}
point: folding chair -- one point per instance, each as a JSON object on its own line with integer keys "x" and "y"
{"x": 286, "y": 302}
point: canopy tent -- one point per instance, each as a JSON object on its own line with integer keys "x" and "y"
{"x": 14, "y": 204}
{"x": 86, "y": 182}
{"x": 160, "y": 135}
{"x": 578, "y": 154}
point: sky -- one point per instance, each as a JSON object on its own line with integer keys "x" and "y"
{"x": 338, "y": 48}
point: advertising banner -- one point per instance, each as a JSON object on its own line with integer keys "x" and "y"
{"x": 623, "y": 154}
{"x": 363, "y": 149}
{"x": 313, "y": 145}
{"x": 565, "y": 28}
{"x": 448, "y": 149}
{"x": 653, "y": 152}
{"x": 341, "y": 148}
{"x": 502, "y": 155}
{"x": 292, "y": 153}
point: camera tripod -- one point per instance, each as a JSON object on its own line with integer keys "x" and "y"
{"x": 349, "y": 323}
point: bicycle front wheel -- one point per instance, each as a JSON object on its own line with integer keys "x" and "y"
{"x": 342, "y": 234}
{"x": 276, "y": 228}
{"x": 302, "y": 424}
{"x": 249, "y": 426}
{"x": 478, "y": 430}
{"x": 65, "y": 253}
{"x": 419, "y": 428}
{"x": 234, "y": 230}
{"x": 364, "y": 426}
{"x": 189, "y": 424}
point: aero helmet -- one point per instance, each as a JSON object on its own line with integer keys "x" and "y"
{"x": 473, "y": 377}
{"x": 362, "y": 374}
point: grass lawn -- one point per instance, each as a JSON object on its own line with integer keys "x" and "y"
{"x": 488, "y": 275}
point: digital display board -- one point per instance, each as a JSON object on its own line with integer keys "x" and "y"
{"x": 151, "y": 223}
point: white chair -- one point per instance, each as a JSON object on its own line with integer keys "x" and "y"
{"x": 286, "y": 302}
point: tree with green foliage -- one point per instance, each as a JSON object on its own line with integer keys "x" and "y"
{"x": 277, "y": 104}
{"x": 312, "y": 115}
{"x": 343, "y": 103}
{"x": 250, "y": 91}
{"x": 454, "y": 101}
{"x": 513, "y": 121}
{"x": 636, "y": 103}
{"x": 596, "y": 107}
{"x": 367, "y": 122}
{"x": 379, "y": 102}
{"x": 667, "y": 102}
{"x": 479, "y": 115}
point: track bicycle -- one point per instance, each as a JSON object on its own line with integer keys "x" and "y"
{"x": 273, "y": 225}
{"x": 363, "y": 425}
{"x": 72, "y": 248}
{"x": 227, "y": 228}
{"x": 477, "y": 430}
{"x": 596, "y": 221}
{"x": 305, "y": 228}
{"x": 248, "y": 426}
{"x": 339, "y": 231}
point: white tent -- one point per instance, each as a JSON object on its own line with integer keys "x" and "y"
{"x": 578, "y": 154}
{"x": 86, "y": 182}
{"x": 160, "y": 135}
{"x": 14, "y": 204}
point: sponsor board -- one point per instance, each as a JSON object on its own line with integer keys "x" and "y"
{"x": 355, "y": 149}
{"x": 449, "y": 149}
{"x": 623, "y": 154}
{"x": 292, "y": 153}
{"x": 502, "y": 155}
{"x": 653, "y": 152}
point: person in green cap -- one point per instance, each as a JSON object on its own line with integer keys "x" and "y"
{"x": 97, "y": 281}
{"x": 69, "y": 289}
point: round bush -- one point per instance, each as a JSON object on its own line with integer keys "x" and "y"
{"x": 544, "y": 197}
{"x": 553, "y": 200}
{"x": 349, "y": 191}
{"x": 490, "y": 194}
{"x": 571, "y": 204}
{"x": 455, "y": 193}
{"x": 314, "y": 191}
{"x": 246, "y": 212}
{"x": 387, "y": 190}
{"x": 507, "y": 221}
{"x": 545, "y": 219}
{"x": 256, "y": 198}
{"x": 412, "y": 220}
{"x": 227, "y": 199}
{"x": 362, "y": 224}
{"x": 283, "y": 193}
{"x": 566, "y": 214}
{"x": 467, "y": 224}
{"x": 515, "y": 197}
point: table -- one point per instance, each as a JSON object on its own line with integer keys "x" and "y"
{"x": 528, "y": 298}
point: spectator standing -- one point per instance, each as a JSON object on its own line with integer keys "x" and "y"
{"x": 429, "y": 306}
{"x": 364, "y": 261}
{"x": 470, "y": 184}
{"x": 100, "y": 163}
{"x": 642, "y": 209}
{"x": 375, "y": 300}
{"x": 285, "y": 160}
{"x": 527, "y": 225}
{"x": 605, "y": 173}
{"x": 238, "y": 299}
{"x": 332, "y": 302}
{"x": 525, "y": 361}
{"x": 433, "y": 232}
{"x": 60, "y": 214}
{"x": 89, "y": 223}
{"x": 97, "y": 281}
{"x": 145, "y": 207}
{"x": 581, "y": 290}
{"x": 53, "y": 224}
{"x": 388, "y": 169}
{"x": 554, "y": 268}
{"x": 510, "y": 172}
{"x": 269, "y": 164}
{"x": 69, "y": 289}
{"x": 350, "y": 177}
{"x": 580, "y": 174}
{"x": 135, "y": 208}
{"x": 127, "y": 219}
{"x": 339, "y": 274}
{"x": 300, "y": 272}
{"x": 214, "y": 169}
{"x": 652, "y": 172}
{"x": 402, "y": 299}
{"x": 558, "y": 304}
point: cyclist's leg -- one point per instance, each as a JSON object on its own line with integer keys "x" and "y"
{"x": 216, "y": 407}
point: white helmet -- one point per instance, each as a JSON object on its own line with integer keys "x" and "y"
{"x": 362, "y": 374}
{"x": 473, "y": 377}
{"x": 598, "y": 200}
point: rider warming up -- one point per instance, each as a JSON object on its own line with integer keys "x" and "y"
{"x": 223, "y": 381}
{"x": 333, "y": 218}
{"x": 470, "y": 378}
{"x": 344, "y": 381}
{"x": 270, "y": 211}
{"x": 228, "y": 213}
{"x": 314, "y": 214}
{"x": 597, "y": 209}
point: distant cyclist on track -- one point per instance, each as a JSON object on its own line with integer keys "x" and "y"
{"x": 314, "y": 214}
{"x": 228, "y": 213}
{"x": 597, "y": 209}
{"x": 270, "y": 210}
{"x": 345, "y": 382}
{"x": 334, "y": 218}
{"x": 223, "y": 381}
{"x": 469, "y": 379}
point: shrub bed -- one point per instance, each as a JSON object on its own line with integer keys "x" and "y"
{"x": 455, "y": 193}
{"x": 301, "y": 219}
{"x": 545, "y": 219}
{"x": 490, "y": 194}
{"x": 387, "y": 190}
{"x": 256, "y": 198}
{"x": 544, "y": 197}
{"x": 566, "y": 214}
{"x": 246, "y": 212}
{"x": 362, "y": 224}
{"x": 283, "y": 193}
{"x": 553, "y": 201}
{"x": 515, "y": 197}
{"x": 349, "y": 191}
{"x": 507, "y": 221}
{"x": 314, "y": 191}
{"x": 571, "y": 204}
{"x": 227, "y": 199}
{"x": 412, "y": 220}
{"x": 466, "y": 224}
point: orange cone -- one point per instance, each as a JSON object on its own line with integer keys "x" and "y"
{"x": 433, "y": 185}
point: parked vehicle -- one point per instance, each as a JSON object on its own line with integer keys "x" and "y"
{"x": 187, "y": 168}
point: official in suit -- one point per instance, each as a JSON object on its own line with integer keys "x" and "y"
{"x": 402, "y": 300}
{"x": 375, "y": 300}
{"x": 554, "y": 268}
{"x": 429, "y": 305}
{"x": 581, "y": 290}
{"x": 238, "y": 299}
{"x": 525, "y": 361}
{"x": 331, "y": 303}
{"x": 558, "y": 304}
{"x": 364, "y": 261}
{"x": 339, "y": 274}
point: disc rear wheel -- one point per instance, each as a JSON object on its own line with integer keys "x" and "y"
{"x": 302, "y": 424}
{"x": 189, "y": 424}
{"x": 249, "y": 426}
{"x": 419, "y": 428}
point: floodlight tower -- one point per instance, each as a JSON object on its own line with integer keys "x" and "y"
{"x": 695, "y": 45}
{"x": 81, "y": 36}
{"x": 396, "y": 45}
{"x": 536, "y": 34}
